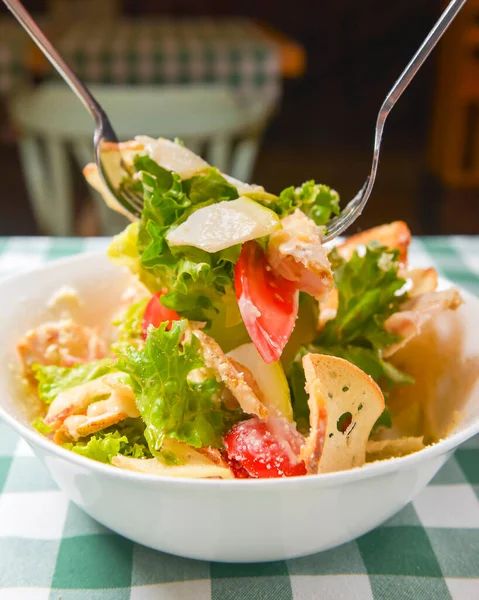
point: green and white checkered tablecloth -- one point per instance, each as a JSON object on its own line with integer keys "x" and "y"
{"x": 50, "y": 549}
{"x": 232, "y": 51}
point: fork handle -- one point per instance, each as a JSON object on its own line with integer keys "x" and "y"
{"x": 423, "y": 52}
{"x": 37, "y": 35}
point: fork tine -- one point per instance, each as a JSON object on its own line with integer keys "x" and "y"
{"x": 134, "y": 199}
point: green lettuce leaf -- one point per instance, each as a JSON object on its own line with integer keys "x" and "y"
{"x": 319, "y": 202}
{"x": 52, "y": 379}
{"x": 209, "y": 187}
{"x": 41, "y": 426}
{"x": 200, "y": 285}
{"x": 369, "y": 291}
{"x": 171, "y": 404}
{"x": 126, "y": 438}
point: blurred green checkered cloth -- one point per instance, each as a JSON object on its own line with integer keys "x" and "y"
{"x": 231, "y": 51}
{"x": 50, "y": 549}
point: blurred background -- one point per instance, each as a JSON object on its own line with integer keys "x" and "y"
{"x": 275, "y": 92}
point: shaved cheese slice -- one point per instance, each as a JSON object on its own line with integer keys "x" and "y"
{"x": 197, "y": 463}
{"x": 352, "y": 402}
{"x": 173, "y": 156}
{"x": 225, "y": 224}
{"x": 416, "y": 312}
{"x": 384, "y": 449}
{"x": 247, "y": 188}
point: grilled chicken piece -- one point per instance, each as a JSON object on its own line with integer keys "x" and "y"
{"x": 112, "y": 397}
{"x": 232, "y": 376}
{"x": 295, "y": 252}
{"x": 62, "y": 343}
{"x": 415, "y": 313}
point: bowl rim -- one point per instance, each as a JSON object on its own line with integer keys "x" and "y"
{"x": 368, "y": 470}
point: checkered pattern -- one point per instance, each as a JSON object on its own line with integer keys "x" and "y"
{"x": 167, "y": 51}
{"x": 50, "y": 549}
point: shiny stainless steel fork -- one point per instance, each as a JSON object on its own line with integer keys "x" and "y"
{"x": 126, "y": 200}
{"x": 131, "y": 203}
{"x": 355, "y": 207}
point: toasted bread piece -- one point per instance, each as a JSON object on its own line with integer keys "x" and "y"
{"x": 232, "y": 377}
{"x": 423, "y": 281}
{"x": 339, "y": 389}
{"x": 395, "y": 236}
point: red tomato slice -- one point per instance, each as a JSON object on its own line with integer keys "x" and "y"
{"x": 266, "y": 449}
{"x": 155, "y": 314}
{"x": 238, "y": 471}
{"x": 268, "y": 303}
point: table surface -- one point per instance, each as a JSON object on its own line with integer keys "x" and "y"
{"x": 236, "y": 51}
{"x": 50, "y": 549}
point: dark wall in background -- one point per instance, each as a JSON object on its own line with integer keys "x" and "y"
{"x": 324, "y": 130}
{"x": 355, "y": 52}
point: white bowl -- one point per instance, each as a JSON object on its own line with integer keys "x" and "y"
{"x": 233, "y": 521}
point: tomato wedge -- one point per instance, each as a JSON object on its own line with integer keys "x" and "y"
{"x": 155, "y": 314}
{"x": 268, "y": 303}
{"x": 266, "y": 449}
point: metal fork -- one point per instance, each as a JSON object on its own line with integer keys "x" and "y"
{"x": 127, "y": 201}
{"x": 132, "y": 203}
{"x": 355, "y": 207}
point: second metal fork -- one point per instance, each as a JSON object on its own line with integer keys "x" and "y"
{"x": 132, "y": 203}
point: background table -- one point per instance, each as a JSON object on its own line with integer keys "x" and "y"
{"x": 250, "y": 57}
{"x": 233, "y": 51}
{"x": 50, "y": 549}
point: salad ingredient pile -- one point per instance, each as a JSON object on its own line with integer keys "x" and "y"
{"x": 243, "y": 348}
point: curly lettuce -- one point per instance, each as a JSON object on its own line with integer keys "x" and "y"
{"x": 317, "y": 201}
{"x": 126, "y": 438}
{"x": 199, "y": 284}
{"x": 53, "y": 380}
{"x": 174, "y": 403}
{"x": 369, "y": 291}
